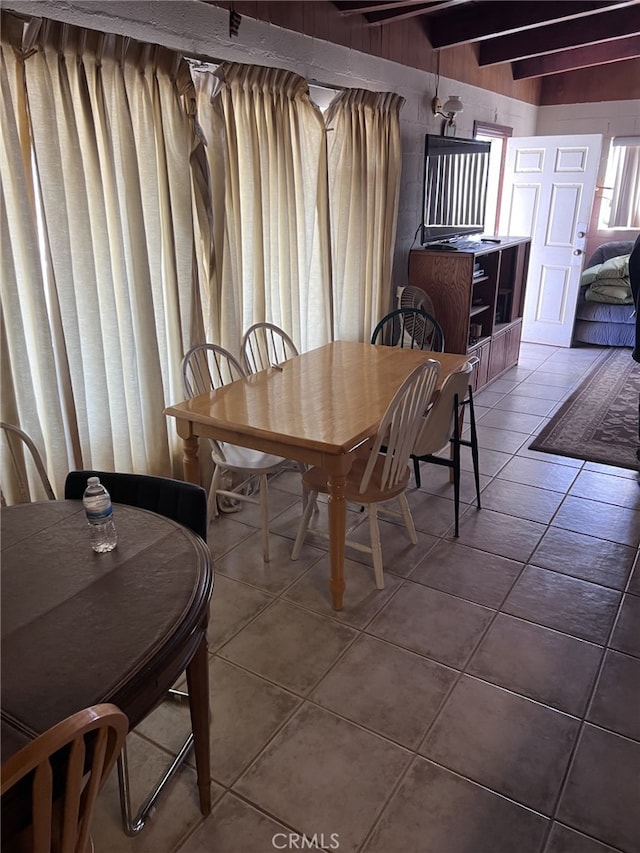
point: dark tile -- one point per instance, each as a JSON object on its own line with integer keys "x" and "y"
{"x": 538, "y": 472}
{"x": 485, "y": 733}
{"x": 620, "y": 491}
{"x": 567, "y": 604}
{"x": 505, "y": 535}
{"x": 435, "y": 811}
{"x": 565, "y": 840}
{"x": 601, "y": 794}
{"x": 598, "y": 560}
{"x": 235, "y": 827}
{"x": 603, "y": 520}
{"x": 477, "y": 575}
{"x": 391, "y": 691}
{"x": 626, "y": 636}
{"x": 289, "y": 646}
{"x": 542, "y": 664}
{"x": 323, "y": 774}
{"x": 432, "y": 623}
{"x": 634, "y": 580}
{"x": 521, "y": 500}
{"x": 515, "y": 421}
{"x": 616, "y": 703}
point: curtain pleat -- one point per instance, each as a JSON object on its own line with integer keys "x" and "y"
{"x": 267, "y": 163}
{"x": 364, "y": 167}
{"x": 113, "y": 200}
{"x": 625, "y": 203}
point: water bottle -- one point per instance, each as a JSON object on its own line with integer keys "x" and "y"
{"x": 97, "y": 505}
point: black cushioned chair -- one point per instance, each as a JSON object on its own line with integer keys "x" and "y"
{"x": 185, "y": 503}
{"x": 182, "y": 502}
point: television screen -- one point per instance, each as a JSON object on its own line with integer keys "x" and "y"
{"x": 455, "y": 187}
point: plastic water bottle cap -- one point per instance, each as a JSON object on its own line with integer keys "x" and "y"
{"x": 93, "y": 481}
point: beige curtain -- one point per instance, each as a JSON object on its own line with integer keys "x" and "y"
{"x": 364, "y": 160}
{"x": 101, "y": 176}
{"x": 625, "y": 202}
{"x": 267, "y": 158}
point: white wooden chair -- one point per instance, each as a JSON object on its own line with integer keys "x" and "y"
{"x": 377, "y": 477}
{"x": 207, "y": 367}
{"x": 442, "y": 427}
{"x": 265, "y": 345}
{"x": 21, "y": 461}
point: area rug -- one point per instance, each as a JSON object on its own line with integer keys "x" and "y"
{"x": 599, "y": 421}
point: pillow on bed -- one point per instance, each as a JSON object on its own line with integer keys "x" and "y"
{"x": 612, "y": 290}
{"x": 617, "y": 267}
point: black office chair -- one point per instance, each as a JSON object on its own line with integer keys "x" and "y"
{"x": 409, "y": 327}
{"x": 185, "y": 503}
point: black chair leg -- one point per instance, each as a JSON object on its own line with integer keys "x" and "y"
{"x": 416, "y": 471}
{"x": 456, "y": 466}
{"x": 474, "y": 446}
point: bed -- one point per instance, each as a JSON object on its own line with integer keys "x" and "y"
{"x": 608, "y": 324}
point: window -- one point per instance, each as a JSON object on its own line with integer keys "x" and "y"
{"x": 620, "y": 207}
{"x": 497, "y": 135}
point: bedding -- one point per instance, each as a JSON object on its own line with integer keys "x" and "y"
{"x": 605, "y": 310}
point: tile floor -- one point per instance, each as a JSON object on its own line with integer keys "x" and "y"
{"x": 486, "y": 701}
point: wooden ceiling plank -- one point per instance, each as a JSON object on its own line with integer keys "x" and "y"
{"x": 401, "y": 11}
{"x": 483, "y": 20}
{"x": 617, "y": 23}
{"x": 580, "y": 57}
{"x": 366, "y": 6}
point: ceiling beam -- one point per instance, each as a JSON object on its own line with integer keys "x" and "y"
{"x": 579, "y": 57}
{"x": 474, "y": 22}
{"x": 617, "y": 23}
{"x": 362, "y": 7}
{"x": 401, "y": 11}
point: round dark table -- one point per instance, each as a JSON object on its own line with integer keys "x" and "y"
{"x": 80, "y": 628}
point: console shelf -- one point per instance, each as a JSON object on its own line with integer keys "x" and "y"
{"x": 447, "y": 276}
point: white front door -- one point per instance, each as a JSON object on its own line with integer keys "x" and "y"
{"x": 549, "y": 186}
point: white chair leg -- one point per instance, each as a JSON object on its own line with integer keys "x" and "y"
{"x": 264, "y": 513}
{"x": 376, "y": 547}
{"x": 212, "y": 500}
{"x": 408, "y": 518}
{"x": 304, "y": 524}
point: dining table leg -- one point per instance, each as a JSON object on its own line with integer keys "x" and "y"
{"x": 198, "y": 685}
{"x": 191, "y": 459}
{"x": 337, "y": 533}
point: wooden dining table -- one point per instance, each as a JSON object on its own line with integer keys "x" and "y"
{"x": 80, "y": 628}
{"x": 317, "y": 408}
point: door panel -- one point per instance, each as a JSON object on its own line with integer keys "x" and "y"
{"x": 549, "y": 185}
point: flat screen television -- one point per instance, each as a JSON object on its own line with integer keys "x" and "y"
{"x": 456, "y": 173}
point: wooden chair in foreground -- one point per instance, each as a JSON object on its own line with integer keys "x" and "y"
{"x": 378, "y": 477}
{"x": 80, "y": 752}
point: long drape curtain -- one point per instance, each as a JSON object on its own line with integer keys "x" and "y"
{"x": 100, "y": 262}
{"x": 267, "y": 157}
{"x": 625, "y": 202}
{"x": 364, "y": 167}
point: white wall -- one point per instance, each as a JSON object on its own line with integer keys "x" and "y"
{"x": 198, "y": 29}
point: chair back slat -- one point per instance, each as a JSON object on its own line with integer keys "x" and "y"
{"x": 206, "y": 367}
{"x": 80, "y": 752}
{"x": 400, "y": 425}
{"x": 265, "y": 345}
{"x": 412, "y": 328}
